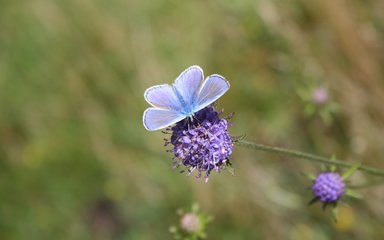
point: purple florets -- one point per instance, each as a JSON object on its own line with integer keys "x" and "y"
{"x": 328, "y": 187}
{"x": 202, "y": 143}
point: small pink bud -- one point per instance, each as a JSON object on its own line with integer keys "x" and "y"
{"x": 320, "y": 96}
{"x": 190, "y": 222}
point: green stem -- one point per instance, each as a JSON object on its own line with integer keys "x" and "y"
{"x": 298, "y": 154}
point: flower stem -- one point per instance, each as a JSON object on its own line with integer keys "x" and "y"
{"x": 311, "y": 157}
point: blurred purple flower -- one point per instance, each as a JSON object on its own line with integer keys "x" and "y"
{"x": 328, "y": 187}
{"x": 202, "y": 143}
{"x": 320, "y": 95}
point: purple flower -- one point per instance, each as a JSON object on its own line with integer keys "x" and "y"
{"x": 328, "y": 187}
{"x": 320, "y": 96}
{"x": 201, "y": 143}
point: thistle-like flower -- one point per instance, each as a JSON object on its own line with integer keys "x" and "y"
{"x": 201, "y": 143}
{"x": 328, "y": 187}
{"x": 192, "y": 224}
{"x": 320, "y": 95}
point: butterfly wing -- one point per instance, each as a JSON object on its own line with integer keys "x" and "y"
{"x": 212, "y": 89}
{"x": 187, "y": 85}
{"x": 163, "y": 96}
{"x": 155, "y": 118}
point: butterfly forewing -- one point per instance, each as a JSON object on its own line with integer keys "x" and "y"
{"x": 188, "y": 84}
{"x": 163, "y": 96}
{"x": 212, "y": 89}
{"x": 155, "y": 118}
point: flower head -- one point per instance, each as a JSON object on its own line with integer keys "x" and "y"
{"x": 320, "y": 96}
{"x": 190, "y": 222}
{"x": 191, "y": 225}
{"x": 202, "y": 143}
{"x": 328, "y": 187}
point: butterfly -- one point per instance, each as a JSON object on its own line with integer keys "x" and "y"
{"x": 186, "y": 96}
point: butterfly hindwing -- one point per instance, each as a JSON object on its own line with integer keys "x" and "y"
{"x": 155, "y": 118}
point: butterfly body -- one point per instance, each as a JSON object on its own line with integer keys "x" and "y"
{"x": 187, "y": 95}
{"x": 186, "y": 109}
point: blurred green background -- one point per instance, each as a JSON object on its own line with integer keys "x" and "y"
{"x": 76, "y": 162}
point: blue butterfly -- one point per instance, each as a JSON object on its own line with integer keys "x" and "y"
{"x": 186, "y": 96}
